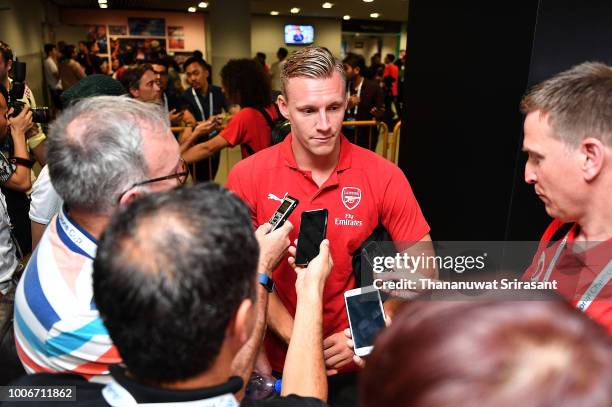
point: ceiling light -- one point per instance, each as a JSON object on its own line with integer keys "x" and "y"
{"x": 203, "y": 4}
{"x": 374, "y": 15}
{"x": 346, "y": 17}
{"x": 327, "y": 5}
{"x": 274, "y": 13}
{"x": 102, "y": 1}
{"x": 295, "y": 10}
{"x": 103, "y": 5}
{"x": 191, "y": 9}
{"x": 368, "y": 1}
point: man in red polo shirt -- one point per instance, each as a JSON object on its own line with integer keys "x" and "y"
{"x": 568, "y": 137}
{"x": 317, "y": 165}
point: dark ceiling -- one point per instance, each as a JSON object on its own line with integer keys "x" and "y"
{"x": 390, "y": 10}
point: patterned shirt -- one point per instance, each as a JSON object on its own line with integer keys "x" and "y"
{"x": 57, "y": 326}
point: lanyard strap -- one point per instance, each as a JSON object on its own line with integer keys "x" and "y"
{"x": 210, "y": 103}
{"x": 602, "y": 279}
{"x": 553, "y": 261}
{"x": 117, "y": 396}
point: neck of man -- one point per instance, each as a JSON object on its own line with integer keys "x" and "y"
{"x": 204, "y": 89}
{"x": 219, "y": 373}
{"x": 321, "y": 167}
{"x": 94, "y": 224}
{"x": 596, "y": 225}
{"x": 357, "y": 81}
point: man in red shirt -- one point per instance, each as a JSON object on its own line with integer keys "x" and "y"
{"x": 317, "y": 165}
{"x": 568, "y": 137}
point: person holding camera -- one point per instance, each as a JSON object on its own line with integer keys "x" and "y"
{"x": 15, "y": 175}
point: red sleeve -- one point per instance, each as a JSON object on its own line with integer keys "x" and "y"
{"x": 236, "y": 131}
{"x": 240, "y": 182}
{"x": 387, "y": 70}
{"x": 401, "y": 214}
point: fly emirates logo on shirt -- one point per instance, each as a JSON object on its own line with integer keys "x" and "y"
{"x": 351, "y": 197}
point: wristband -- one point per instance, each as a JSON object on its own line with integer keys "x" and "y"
{"x": 22, "y": 161}
{"x": 266, "y": 281}
{"x": 34, "y": 141}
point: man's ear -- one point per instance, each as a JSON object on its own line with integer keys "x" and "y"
{"x": 282, "y": 106}
{"x": 130, "y": 195}
{"x": 593, "y": 153}
{"x": 135, "y": 93}
{"x": 241, "y": 325}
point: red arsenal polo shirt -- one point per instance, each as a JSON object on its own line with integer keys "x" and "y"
{"x": 583, "y": 277}
{"x": 249, "y": 127}
{"x": 363, "y": 191}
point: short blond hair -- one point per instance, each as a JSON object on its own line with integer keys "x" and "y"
{"x": 310, "y": 62}
{"x": 578, "y": 103}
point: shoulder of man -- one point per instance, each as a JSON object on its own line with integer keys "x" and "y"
{"x": 291, "y": 400}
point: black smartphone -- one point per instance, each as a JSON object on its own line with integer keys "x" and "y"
{"x": 313, "y": 228}
{"x": 282, "y": 213}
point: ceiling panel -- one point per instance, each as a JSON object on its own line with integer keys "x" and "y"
{"x": 392, "y": 10}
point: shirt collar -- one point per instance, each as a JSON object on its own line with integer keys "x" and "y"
{"x": 344, "y": 161}
{"x": 74, "y": 236}
{"x": 143, "y": 393}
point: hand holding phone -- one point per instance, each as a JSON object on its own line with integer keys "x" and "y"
{"x": 366, "y": 317}
{"x": 313, "y": 228}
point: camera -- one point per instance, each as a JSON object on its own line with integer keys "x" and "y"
{"x": 39, "y": 114}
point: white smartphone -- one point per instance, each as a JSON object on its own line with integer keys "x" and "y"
{"x": 366, "y": 317}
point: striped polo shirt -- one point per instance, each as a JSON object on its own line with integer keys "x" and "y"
{"x": 57, "y": 326}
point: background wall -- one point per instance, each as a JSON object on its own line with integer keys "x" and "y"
{"x": 267, "y": 34}
{"x": 192, "y": 23}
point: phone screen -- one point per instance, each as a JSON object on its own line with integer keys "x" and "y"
{"x": 367, "y": 318}
{"x": 313, "y": 227}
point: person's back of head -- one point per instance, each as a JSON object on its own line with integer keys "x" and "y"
{"x": 172, "y": 272}
{"x": 68, "y": 52}
{"x": 282, "y": 53}
{"x": 389, "y": 58}
{"x": 48, "y": 48}
{"x": 95, "y": 150}
{"x": 246, "y": 83}
{"x": 492, "y": 353}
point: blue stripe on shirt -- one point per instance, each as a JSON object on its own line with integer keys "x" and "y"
{"x": 35, "y": 296}
{"x": 67, "y": 342}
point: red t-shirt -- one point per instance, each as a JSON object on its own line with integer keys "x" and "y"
{"x": 364, "y": 191}
{"x": 393, "y": 71}
{"x": 249, "y": 127}
{"x": 583, "y": 276}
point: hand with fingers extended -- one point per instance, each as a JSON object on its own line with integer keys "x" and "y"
{"x": 272, "y": 245}
{"x": 351, "y": 345}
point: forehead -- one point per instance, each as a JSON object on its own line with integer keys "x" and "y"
{"x": 195, "y": 66}
{"x": 311, "y": 90}
{"x": 536, "y": 127}
{"x": 157, "y": 67}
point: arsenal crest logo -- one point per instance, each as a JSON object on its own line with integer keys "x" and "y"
{"x": 351, "y": 197}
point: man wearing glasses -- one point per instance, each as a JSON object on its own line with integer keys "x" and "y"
{"x": 103, "y": 153}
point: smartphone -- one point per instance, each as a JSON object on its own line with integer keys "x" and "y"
{"x": 282, "y": 213}
{"x": 366, "y": 317}
{"x": 313, "y": 228}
